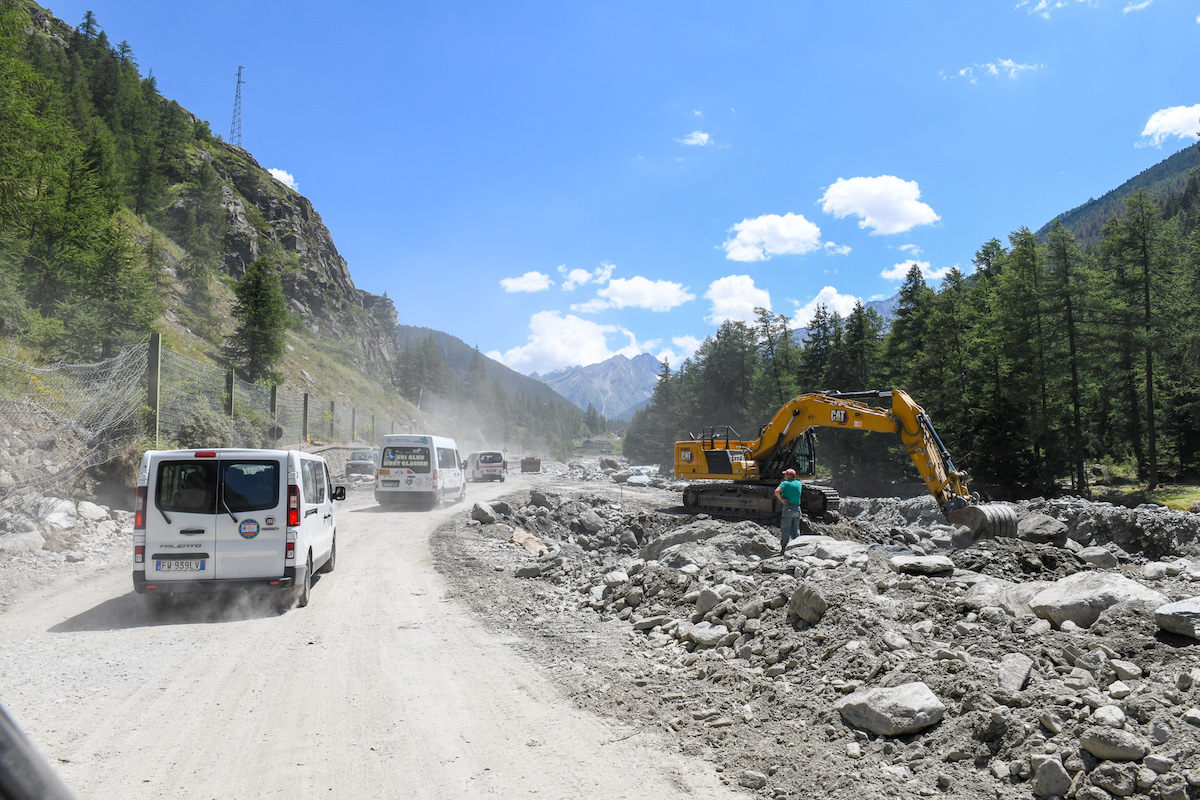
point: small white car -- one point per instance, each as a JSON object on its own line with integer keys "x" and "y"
{"x": 486, "y": 465}
{"x": 227, "y": 519}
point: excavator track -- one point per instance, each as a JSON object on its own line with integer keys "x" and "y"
{"x": 756, "y": 500}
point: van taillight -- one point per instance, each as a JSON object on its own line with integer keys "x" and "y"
{"x": 139, "y": 554}
{"x": 206, "y": 454}
{"x": 293, "y": 505}
{"x": 139, "y": 510}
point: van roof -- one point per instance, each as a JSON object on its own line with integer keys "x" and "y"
{"x": 228, "y": 452}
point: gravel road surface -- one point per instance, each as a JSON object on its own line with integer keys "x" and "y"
{"x": 384, "y": 686}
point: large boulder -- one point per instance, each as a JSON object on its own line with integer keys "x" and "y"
{"x": 1182, "y": 617}
{"x": 1080, "y": 598}
{"x": 997, "y": 592}
{"x": 892, "y": 711}
{"x": 1112, "y": 744}
{"x": 837, "y": 550}
{"x": 921, "y": 565}
{"x": 1042, "y": 529}
{"x": 1014, "y": 672}
{"x": 482, "y": 512}
{"x": 808, "y": 604}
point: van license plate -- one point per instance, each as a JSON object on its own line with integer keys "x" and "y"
{"x": 391, "y": 484}
{"x": 180, "y": 565}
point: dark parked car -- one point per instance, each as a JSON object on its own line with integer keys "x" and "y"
{"x": 362, "y": 462}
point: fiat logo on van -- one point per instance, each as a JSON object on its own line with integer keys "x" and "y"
{"x": 248, "y": 528}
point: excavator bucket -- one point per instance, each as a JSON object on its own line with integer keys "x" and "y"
{"x": 995, "y": 519}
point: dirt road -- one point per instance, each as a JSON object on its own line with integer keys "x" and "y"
{"x": 381, "y": 687}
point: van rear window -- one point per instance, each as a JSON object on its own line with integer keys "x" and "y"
{"x": 188, "y": 487}
{"x": 491, "y": 458}
{"x": 413, "y": 458}
{"x": 250, "y": 485}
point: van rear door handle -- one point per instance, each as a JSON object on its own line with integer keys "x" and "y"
{"x": 327, "y": 516}
{"x": 311, "y": 511}
{"x": 192, "y": 531}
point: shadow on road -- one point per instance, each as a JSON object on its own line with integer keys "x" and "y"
{"x": 132, "y": 610}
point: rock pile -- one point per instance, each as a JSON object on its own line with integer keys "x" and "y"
{"x": 1060, "y": 663}
{"x": 39, "y": 531}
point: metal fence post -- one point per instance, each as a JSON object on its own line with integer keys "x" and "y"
{"x": 154, "y": 381}
{"x": 353, "y": 424}
{"x": 304, "y": 421}
{"x": 229, "y": 384}
{"x": 332, "y": 421}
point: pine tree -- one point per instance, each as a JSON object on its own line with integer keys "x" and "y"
{"x": 260, "y": 315}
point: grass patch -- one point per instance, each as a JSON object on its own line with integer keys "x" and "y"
{"x": 1177, "y": 496}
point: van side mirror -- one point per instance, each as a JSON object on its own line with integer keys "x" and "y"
{"x": 339, "y": 493}
{"x": 464, "y": 465}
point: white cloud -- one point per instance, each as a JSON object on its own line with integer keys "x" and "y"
{"x": 573, "y": 278}
{"x": 772, "y": 235}
{"x": 637, "y": 292}
{"x": 529, "y": 282}
{"x": 1181, "y": 121}
{"x": 735, "y": 297}
{"x": 556, "y": 341}
{"x": 910, "y": 248}
{"x": 886, "y": 204}
{"x": 684, "y": 347}
{"x": 696, "y": 138}
{"x": 837, "y": 249}
{"x": 698, "y": 114}
{"x": 1142, "y": 6}
{"x": 994, "y": 69}
{"x": 286, "y": 178}
{"x": 1042, "y": 8}
{"x": 843, "y": 304}
{"x": 898, "y": 271}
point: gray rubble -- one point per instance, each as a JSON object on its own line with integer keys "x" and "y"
{"x": 1025, "y": 667}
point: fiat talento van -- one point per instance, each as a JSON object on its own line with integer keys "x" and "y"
{"x": 229, "y": 519}
{"x": 418, "y": 468}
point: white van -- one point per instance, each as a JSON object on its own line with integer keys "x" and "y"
{"x": 225, "y": 519}
{"x": 486, "y": 465}
{"x": 418, "y": 468}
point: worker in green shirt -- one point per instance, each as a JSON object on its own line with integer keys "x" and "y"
{"x": 788, "y": 493}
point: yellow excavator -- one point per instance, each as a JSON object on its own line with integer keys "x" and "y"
{"x": 751, "y": 469}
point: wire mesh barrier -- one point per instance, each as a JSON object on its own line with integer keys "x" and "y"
{"x": 62, "y": 419}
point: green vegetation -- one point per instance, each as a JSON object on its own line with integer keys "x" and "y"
{"x": 261, "y": 314}
{"x": 1047, "y": 358}
{"x": 112, "y": 225}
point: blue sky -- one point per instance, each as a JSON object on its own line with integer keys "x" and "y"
{"x": 559, "y": 182}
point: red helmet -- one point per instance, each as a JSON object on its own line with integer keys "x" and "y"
{"x": 789, "y": 471}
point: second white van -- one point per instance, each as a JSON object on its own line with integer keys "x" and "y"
{"x": 418, "y": 468}
{"x": 486, "y": 465}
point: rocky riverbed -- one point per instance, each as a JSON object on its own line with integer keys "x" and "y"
{"x": 875, "y": 658}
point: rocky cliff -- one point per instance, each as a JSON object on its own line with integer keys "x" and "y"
{"x": 265, "y": 217}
